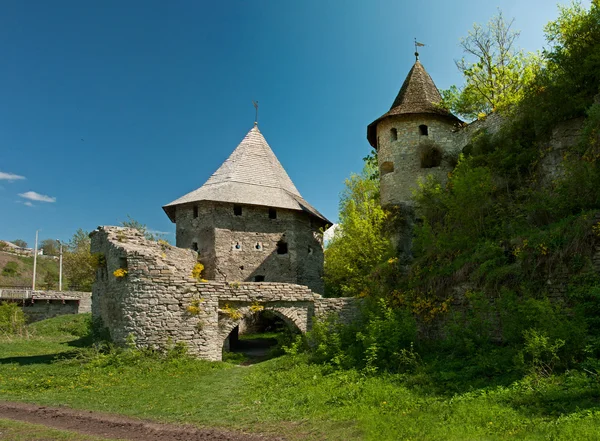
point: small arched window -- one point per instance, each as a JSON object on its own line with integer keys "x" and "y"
{"x": 394, "y": 134}
{"x": 423, "y": 130}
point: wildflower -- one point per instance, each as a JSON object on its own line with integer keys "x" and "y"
{"x": 197, "y": 272}
{"x": 120, "y": 273}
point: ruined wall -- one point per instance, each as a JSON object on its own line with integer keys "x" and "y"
{"x": 159, "y": 302}
{"x": 244, "y": 247}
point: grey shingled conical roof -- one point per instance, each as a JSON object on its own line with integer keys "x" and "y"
{"x": 418, "y": 95}
{"x": 251, "y": 175}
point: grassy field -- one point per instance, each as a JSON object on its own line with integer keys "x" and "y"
{"x": 289, "y": 396}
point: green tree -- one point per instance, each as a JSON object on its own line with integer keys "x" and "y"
{"x": 499, "y": 74}
{"x": 50, "y": 247}
{"x": 572, "y": 77}
{"x": 359, "y": 244}
{"x": 20, "y": 243}
{"x": 78, "y": 263}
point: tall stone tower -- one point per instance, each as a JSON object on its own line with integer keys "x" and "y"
{"x": 413, "y": 139}
{"x": 249, "y": 222}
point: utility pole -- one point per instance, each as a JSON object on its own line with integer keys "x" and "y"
{"x": 35, "y": 259}
{"x": 60, "y": 266}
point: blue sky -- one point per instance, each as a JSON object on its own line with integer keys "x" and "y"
{"x": 116, "y": 108}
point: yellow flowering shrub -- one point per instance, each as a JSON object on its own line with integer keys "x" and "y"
{"x": 255, "y": 307}
{"x": 120, "y": 273}
{"x": 232, "y": 312}
{"x": 194, "y": 307}
{"x": 197, "y": 272}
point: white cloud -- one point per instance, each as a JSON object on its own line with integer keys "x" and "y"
{"x": 29, "y": 204}
{"x": 10, "y": 177}
{"x": 33, "y": 196}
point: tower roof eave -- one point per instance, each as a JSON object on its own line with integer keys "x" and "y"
{"x": 372, "y": 128}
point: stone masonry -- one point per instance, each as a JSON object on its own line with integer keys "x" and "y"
{"x": 158, "y": 301}
{"x": 244, "y": 247}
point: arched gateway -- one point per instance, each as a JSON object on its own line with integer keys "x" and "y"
{"x": 146, "y": 289}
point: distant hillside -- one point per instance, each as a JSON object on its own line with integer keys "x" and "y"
{"x": 17, "y": 271}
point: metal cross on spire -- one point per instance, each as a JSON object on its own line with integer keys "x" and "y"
{"x": 255, "y": 104}
{"x": 417, "y": 45}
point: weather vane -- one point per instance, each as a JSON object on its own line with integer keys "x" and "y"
{"x": 417, "y": 46}
{"x": 255, "y": 103}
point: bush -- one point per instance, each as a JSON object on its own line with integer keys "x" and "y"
{"x": 380, "y": 341}
{"x": 11, "y": 269}
{"x": 12, "y": 319}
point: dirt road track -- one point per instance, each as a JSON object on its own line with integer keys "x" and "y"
{"x": 117, "y": 427}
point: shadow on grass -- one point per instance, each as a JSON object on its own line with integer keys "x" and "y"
{"x": 39, "y": 359}
{"x": 493, "y": 374}
{"x": 83, "y": 342}
{"x": 248, "y": 351}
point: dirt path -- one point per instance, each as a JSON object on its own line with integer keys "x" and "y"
{"x": 117, "y": 427}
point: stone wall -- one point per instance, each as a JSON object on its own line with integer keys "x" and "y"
{"x": 399, "y": 154}
{"x": 245, "y": 247}
{"x": 566, "y": 134}
{"x": 158, "y": 301}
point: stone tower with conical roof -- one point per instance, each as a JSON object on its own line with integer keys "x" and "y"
{"x": 413, "y": 139}
{"x": 248, "y": 221}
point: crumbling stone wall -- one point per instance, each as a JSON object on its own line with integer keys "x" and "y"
{"x": 152, "y": 301}
{"x": 244, "y": 247}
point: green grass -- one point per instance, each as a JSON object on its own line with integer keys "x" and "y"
{"x": 290, "y": 397}
{"x": 18, "y": 431}
{"x": 261, "y": 336}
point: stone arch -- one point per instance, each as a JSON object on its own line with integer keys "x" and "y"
{"x": 295, "y": 317}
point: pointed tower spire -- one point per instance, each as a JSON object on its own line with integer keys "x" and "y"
{"x": 251, "y": 175}
{"x": 418, "y": 95}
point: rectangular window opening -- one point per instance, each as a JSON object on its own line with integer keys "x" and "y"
{"x": 237, "y": 210}
{"x": 272, "y": 213}
{"x": 259, "y": 278}
{"x": 282, "y": 247}
{"x": 195, "y": 211}
{"x": 195, "y": 246}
